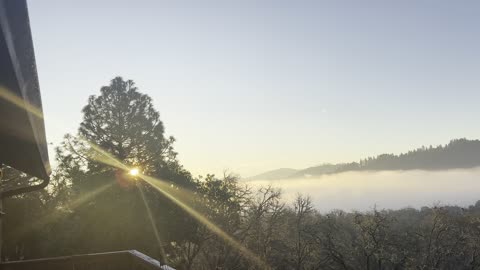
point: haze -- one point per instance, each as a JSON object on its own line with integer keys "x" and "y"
{"x": 250, "y": 86}
{"x": 362, "y": 191}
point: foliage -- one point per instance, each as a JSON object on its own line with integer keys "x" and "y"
{"x": 93, "y": 206}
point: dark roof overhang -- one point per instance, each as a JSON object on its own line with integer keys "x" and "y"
{"x": 23, "y": 144}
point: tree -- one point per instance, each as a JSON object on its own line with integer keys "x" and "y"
{"x": 124, "y": 123}
{"x": 121, "y": 128}
{"x": 222, "y": 201}
{"x": 26, "y": 234}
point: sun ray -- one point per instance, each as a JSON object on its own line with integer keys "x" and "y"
{"x": 19, "y": 102}
{"x": 103, "y": 156}
{"x": 153, "y": 224}
{"x": 157, "y": 184}
{"x": 160, "y": 186}
{"x": 54, "y": 214}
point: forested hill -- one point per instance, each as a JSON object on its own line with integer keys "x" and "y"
{"x": 458, "y": 153}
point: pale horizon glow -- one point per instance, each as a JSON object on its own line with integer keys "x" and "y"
{"x": 250, "y": 86}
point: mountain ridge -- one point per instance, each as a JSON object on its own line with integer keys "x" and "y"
{"x": 280, "y": 173}
{"x": 458, "y": 153}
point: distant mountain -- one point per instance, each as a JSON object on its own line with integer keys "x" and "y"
{"x": 281, "y": 173}
{"x": 458, "y": 153}
{"x": 326, "y": 169}
{"x": 317, "y": 170}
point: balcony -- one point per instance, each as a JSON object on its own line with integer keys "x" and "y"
{"x": 119, "y": 260}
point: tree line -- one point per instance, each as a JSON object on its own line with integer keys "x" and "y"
{"x": 458, "y": 153}
{"x": 210, "y": 222}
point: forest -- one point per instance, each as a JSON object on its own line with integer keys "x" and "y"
{"x": 457, "y": 154}
{"x": 217, "y": 222}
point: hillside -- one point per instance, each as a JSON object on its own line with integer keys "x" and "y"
{"x": 281, "y": 173}
{"x": 458, "y": 153}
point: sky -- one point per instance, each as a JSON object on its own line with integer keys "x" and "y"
{"x": 249, "y": 86}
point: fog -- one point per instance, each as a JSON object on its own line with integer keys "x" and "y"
{"x": 384, "y": 189}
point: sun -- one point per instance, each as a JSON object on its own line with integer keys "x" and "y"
{"x": 134, "y": 172}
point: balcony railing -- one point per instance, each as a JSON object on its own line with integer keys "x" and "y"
{"x": 120, "y": 260}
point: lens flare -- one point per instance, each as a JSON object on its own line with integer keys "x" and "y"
{"x": 19, "y": 102}
{"x": 134, "y": 172}
{"x": 54, "y": 215}
{"x": 153, "y": 224}
{"x": 101, "y": 155}
{"x": 161, "y": 185}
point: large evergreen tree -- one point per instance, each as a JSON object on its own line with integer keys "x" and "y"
{"x": 122, "y": 122}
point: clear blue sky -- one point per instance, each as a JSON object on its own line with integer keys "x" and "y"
{"x": 250, "y": 86}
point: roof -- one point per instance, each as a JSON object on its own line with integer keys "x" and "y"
{"x": 22, "y": 131}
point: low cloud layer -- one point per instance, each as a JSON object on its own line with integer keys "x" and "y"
{"x": 385, "y": 189}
